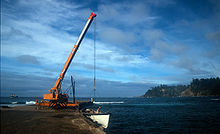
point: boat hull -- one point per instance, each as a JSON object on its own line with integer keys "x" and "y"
{"x": 102, "y": 119}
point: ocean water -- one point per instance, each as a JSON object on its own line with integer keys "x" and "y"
{"x": 19, "y": 101}
{"x": 197, "y": 115}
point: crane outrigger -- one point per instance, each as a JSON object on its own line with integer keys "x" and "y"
{"x": 56, "y": 98}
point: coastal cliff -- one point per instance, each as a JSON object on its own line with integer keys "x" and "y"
{"x": 198, "y": 87}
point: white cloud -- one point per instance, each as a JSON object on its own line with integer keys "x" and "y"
{"x": 152, "y": 35}
{"x": 126, "y": 14}
{"x": 51, "y": 46}
{"x": 47, "y": 30}
{"x": 117, "y": 36}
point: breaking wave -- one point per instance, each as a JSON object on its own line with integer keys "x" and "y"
{"x": 117, "y": 102}
{"x": 30, "y": 102}
{"x": 15, "y": 102}
{"x": 215, "y": 99}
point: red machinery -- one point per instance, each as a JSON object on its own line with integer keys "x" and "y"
{"x": 56, "y": 98}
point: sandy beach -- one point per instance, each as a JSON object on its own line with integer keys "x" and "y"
{"x": 26, "y": 120}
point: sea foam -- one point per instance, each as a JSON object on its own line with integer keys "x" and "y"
{"x": 30, "y": 102}
{"x": 117, "y": 102}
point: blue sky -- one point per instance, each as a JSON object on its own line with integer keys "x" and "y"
{"x": 140, "y": 44}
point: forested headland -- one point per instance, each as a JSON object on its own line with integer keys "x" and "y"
{"x": 198, "y": 87}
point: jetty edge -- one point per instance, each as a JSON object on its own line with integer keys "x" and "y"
{"x": 27, "y": 119}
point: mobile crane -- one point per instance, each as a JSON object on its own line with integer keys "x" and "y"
{"x": 55, "y": 98}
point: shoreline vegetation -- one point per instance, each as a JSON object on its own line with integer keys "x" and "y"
{"x": 198, "y": 87}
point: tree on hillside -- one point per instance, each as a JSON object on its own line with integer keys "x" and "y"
{"x": 198, "y": 87}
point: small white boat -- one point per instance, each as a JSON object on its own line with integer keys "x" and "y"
{"x": 100, "y": 118}
{"x": 97, "y": 116}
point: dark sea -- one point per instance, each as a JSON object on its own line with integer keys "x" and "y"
{"x": 179, "y": 115}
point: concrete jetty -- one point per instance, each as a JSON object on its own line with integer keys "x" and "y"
{"x": 29, "y": 120}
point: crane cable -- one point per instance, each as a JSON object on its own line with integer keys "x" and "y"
{"x": 94, "y": 34}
